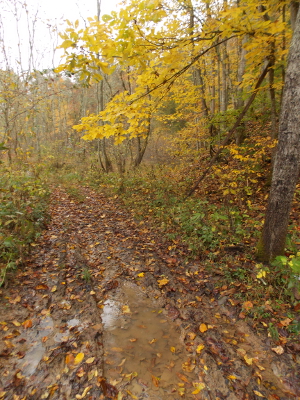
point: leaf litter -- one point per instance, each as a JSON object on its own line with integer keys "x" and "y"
{"x": 106, "y": 309}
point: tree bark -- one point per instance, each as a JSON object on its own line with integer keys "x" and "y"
{"x": 287, "y": 160}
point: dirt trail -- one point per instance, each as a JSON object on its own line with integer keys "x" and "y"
{"x": 105, "y": 310}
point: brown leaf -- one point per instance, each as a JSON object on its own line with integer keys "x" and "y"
{"x": 278, "y": 350}
{"x": 15, "y": 300}
{"x": 109, "y": 391}
{"x": 70, "y": 359}
{"x": 27, "y": 324}
{"x": 247, "y": 305}
{"x": 182, "y": 377}
{"x": 173, "y": 313}
{"x": 42, "y": 287}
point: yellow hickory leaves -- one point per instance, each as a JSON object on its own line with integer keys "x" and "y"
{"x": 87, "y": 51}
{"x": 155, "y": 43}
{"x": 119, "y": 119}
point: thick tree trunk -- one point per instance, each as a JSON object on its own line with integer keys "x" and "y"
{"x": 287, "y": 159}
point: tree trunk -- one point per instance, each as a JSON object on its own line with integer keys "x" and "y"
{"x": 287, "y": 160}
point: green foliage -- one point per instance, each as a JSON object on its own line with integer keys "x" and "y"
{"x": 287, "y": 273}
{"x": 202, "y": 226}
{"x": 22, "y": 216}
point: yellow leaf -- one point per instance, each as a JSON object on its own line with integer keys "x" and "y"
{"x": 198, "y": 386}
{"x": 16, "y": 323}
{"x": 54, "y": 289}
{"x": 162, "y": 282}
{"x": 130, "y": 394}
{"x": 188, "y": 366}
{"x": 79, "y": 358}
{"x": 203, "y": 328}
{"x": 126, "y": 310}
{"x": 173, "y": 350}
{"x": 258, "y": 393}
{"x": 141, "y": 274}
{"x": 248, "y": 360}
{"x": 117, "y": 349}
{"x": 191, "y": 335}
{"x": 200, "y": 348}
{"x": 90, "y": 360}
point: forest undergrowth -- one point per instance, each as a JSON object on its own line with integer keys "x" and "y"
{"x": 219, "y": 226}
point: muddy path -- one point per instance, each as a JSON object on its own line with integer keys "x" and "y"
{"x": 104, "y": 309}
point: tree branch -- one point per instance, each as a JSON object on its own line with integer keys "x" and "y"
{"x": 233, "y": 129}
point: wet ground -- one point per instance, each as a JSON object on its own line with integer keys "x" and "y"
{"x": 101, "y": 310}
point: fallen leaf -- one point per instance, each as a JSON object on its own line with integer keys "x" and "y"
{"x": 203, "y": 328}
{"x": 118, "y": 349}
{"x": 131, "y": 376}
{"x": 199, "y": 348}
{"x": 126, "y": 310}
{"x": 173, "y": 349}
{"x": 162, "y": 282}
{"x": 80, "y": 373}
{"x": 79, "y": 358}
{"x": 247, "y": 305}
{"x": 248, "y": 360}
{"x": 141, "y": 275}
{"x": 69, "y": 359}
{"x": 258, "y": 393}
{"x": 198, "y": 386}
{"x": 16, "y": 323}
{"x": 16, "y": 300}
{"x": 41, "y": 287}
{"x": 286, "y": 322}
{"x": 132, "y": 340}
{"x": 188, "y": 366}
{"x": 54, "y": 289}
{"x": 27, "y": 324}
{"x": 191, "y": 335}
{"x": 182, "y": 377}
{"x": 152, "y": 341}
{"x": 91, "y": 375}
{"x": 155, "y": 380}
{"x": 278, "y": 350}
{"x": 90, "y": 360}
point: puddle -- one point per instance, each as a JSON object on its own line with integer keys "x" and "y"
{"x": 33, "y": 346}
{"x": 143, "y": 353}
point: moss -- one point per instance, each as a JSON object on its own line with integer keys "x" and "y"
{"x": 261, "y": 252}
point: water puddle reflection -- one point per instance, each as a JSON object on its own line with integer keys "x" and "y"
{"x": 33, "y": 346}
{"x": 143, "y": 352}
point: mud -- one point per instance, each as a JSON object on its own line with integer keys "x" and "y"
{"x": 86, "y": 318}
